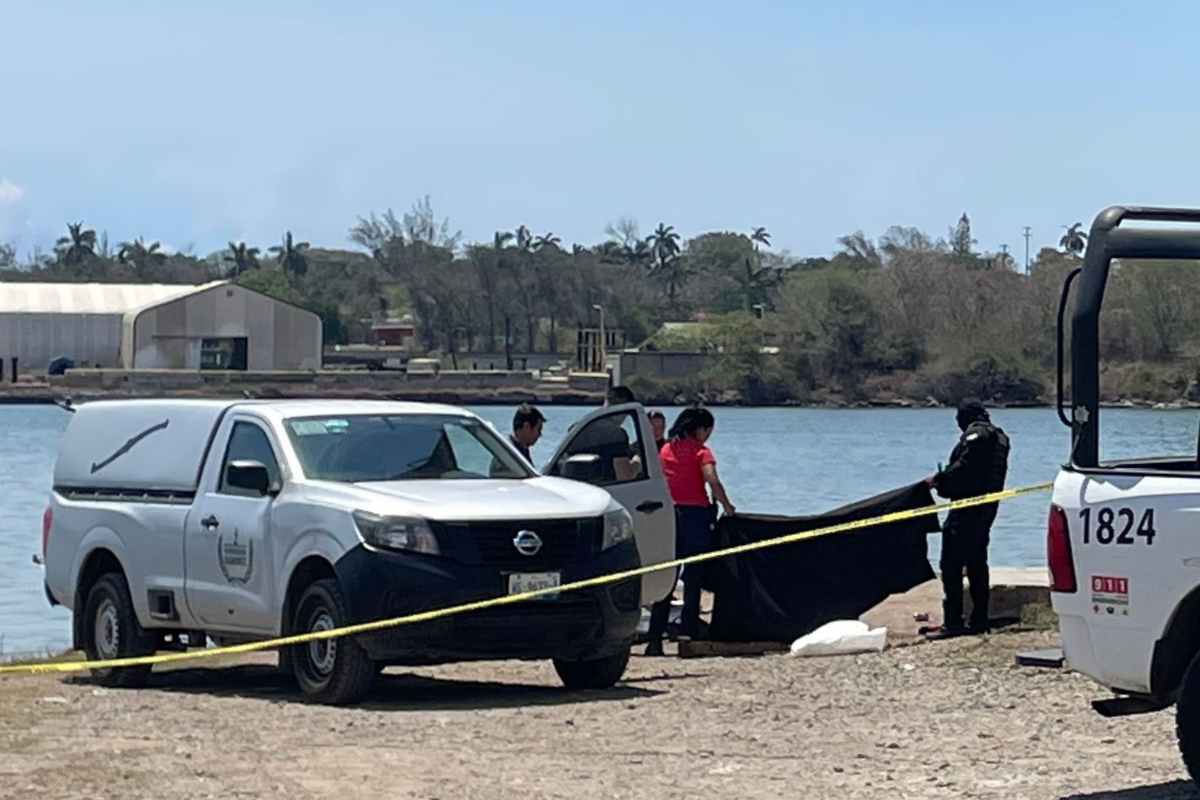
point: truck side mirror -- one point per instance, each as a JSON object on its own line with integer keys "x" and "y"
{"x": 583, "y": 467}
{"x": 251, "y": 476}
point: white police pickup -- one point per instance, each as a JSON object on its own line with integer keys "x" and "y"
{"x": 1123, "y": 542}
{"x": 174, "y": 521}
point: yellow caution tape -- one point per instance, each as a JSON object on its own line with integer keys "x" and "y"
{"x": 493, "y": 602}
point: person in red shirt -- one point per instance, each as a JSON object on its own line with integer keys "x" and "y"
{"x": 691, "y": 470}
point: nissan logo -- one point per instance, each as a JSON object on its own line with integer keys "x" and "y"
{"x": 527, "y": 543}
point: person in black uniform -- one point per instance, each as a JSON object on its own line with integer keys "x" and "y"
{"x": 978, "y": 466}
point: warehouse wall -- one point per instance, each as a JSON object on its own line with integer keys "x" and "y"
{"x": 168, "y": 336}
{"x": 35, "y": 339}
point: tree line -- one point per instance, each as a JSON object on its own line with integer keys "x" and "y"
{"x": 904, "y": 314}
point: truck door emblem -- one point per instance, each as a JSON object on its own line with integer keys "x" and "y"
{"x": 125, "y": 448}
{"x": 527, "y": 543}
{"x": 235, "y": 559}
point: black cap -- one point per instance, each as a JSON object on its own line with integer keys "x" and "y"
{"x": 971, "y": 410}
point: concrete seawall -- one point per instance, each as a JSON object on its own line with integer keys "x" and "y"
{"x": 473, "y": 387}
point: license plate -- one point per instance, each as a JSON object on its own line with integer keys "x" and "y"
{"x": 522, "y": 582}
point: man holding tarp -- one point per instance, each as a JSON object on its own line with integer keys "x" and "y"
{"x": 978, "y": 466}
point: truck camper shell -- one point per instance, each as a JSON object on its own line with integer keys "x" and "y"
{"x": 137, "y": 447}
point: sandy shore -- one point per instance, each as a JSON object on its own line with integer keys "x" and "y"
{"x": 953, "y": 719}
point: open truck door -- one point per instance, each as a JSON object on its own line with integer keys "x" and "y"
{"x": 613, "y": 448}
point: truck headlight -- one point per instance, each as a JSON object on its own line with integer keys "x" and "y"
{"x": 396, "y": 533}
{"x": 618, "y": 527}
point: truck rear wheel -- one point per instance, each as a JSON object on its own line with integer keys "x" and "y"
{"x": 331, "y": 671}
{"x": 1187, "y": 719}
{"x": 598, "y": 673}
{"x": 111, "y": 630}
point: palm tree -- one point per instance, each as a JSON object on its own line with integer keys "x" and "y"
{"x": 140, "y": 255}
{"x": 760, "y": 237}
{"x": 664, "y": 242}
{"x": 525, "y": 277}
{"x": 549, "y": 284}
{"x": 758, "y": 283}
{"x": 78, "y": 246}
{"x": 501, "y": 239}
{"x": 524, "y": 239}
{"x": 1074, "y": 240}
{"x": 546, "y": 240}
{"x": 668, "y": 265}
{"x": 489, "y": 268}
{"x": 759, "y": 280}
{"x": 290, "y": 256}
{"x": 242, "y": 257}
{"x": 637, "y": 254}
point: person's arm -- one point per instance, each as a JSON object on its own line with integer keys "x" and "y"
{"x": 626, "y": 466}
{"x": 709, "y": 471}
{"x": 951, "y": 481}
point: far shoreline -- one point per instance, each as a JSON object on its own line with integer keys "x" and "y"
{"x": 50, "y": 396}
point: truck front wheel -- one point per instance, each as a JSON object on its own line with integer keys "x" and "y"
{"x": 1187, "y": 719}
{"x": 332, "y": 671}
{"x": 598, "y": 673}
{"x": 111, "y": 630}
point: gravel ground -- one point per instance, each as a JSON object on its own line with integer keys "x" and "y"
{"x": 953, "y": 719}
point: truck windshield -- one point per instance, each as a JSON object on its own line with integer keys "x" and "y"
{"x": 361, "y": 448}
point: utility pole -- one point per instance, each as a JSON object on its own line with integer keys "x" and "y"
{"x": 508, "y": 359}
{"x": 603, "y": 342}
{"x": 1026, "y": 249}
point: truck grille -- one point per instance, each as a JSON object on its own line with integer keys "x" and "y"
{"x": 491, "y": 543}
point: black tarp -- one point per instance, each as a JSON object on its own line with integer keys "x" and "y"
{"x": 780, "y": 593}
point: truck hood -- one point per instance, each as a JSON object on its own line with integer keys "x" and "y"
{"x": 477, "y": 500}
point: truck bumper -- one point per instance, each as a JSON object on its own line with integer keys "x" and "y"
{"x": 574, "y": 626}
{"x": 1117, "y": 658}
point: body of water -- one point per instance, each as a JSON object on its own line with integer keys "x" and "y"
{"x": 784, "y": 461}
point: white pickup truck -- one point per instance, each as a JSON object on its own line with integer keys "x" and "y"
{"x": 172, "y": 521}
{"x": 1123, "y": 540}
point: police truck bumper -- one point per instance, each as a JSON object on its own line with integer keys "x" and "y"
{"x": 575, "y": 626}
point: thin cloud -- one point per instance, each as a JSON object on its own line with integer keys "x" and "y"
{"x": 10, "y": 192}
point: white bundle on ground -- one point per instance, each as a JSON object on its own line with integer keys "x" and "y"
{"x": 843, "y": 637}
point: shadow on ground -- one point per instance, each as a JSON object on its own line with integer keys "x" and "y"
{"x": 1174, "y": 790}
{"x": 395, "y": 691}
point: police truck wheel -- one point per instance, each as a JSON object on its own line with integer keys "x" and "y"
{"x": 111, "y": 630}
{"x": 1187, "y": 719}
{"x": 331, "y": 671}
{"x": 599, "y": 673}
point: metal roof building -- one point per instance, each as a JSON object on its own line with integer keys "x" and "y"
{"x": 217, "y": 325}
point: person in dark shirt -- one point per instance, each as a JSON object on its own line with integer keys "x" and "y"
{"x": 978, "y": 466}
{"x": 658, "y": 422}
{"x": 527, "y": 429}
{"x": 606, "y": 438}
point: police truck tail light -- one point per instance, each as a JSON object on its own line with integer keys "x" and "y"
{"x": 47, "y": 520}
{"x": 1058, "y": 552}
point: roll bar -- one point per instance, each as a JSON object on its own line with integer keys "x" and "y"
{"x": 1062, "y": 312}
{"x": 1107, "y": 241}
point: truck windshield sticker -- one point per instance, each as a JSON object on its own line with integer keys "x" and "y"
{"x": 318, "y": 427}
{"x": 235, "y": 558}
{"x": 125, "y": 448}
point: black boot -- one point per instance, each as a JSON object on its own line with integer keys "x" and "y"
{"x": 659, "y": 614}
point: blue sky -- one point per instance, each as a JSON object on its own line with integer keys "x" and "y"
{"x": 195, "y": 123}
